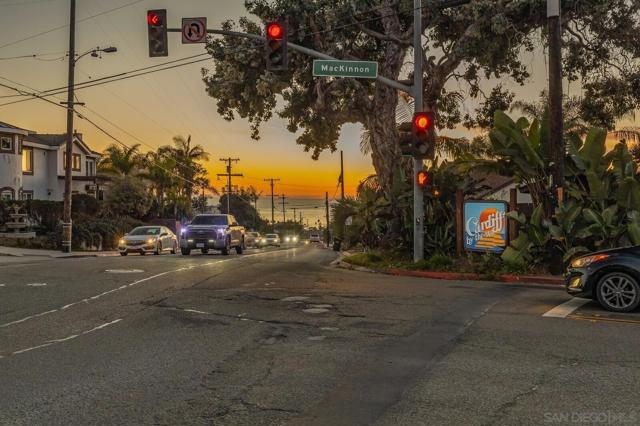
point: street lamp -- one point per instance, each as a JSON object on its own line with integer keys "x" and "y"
{"x": 70, "y": 103}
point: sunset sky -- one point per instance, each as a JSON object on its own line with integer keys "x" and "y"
{"x": 158, "y": 106}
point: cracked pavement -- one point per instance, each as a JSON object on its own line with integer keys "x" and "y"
{"x": 281, "y": 338}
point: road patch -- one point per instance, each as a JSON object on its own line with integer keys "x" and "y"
{"x": 315, "y": 311}
{"x": 563, "y": 310}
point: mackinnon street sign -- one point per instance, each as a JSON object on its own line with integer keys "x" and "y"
{"x": 354, "y": 69}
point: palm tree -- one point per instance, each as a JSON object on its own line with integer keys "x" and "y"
{"x": 121, "y": 161}
{"x": 159, "y": 173}
{"x": 186, "y": 157}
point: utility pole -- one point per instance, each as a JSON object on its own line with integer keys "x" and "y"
{"x": 68, "y": 154}
{"x": 229, "y": 175}
{"x": 326, "y": 203}
{"x": 342, "y": 174}
{"x": 556, "y": 138}
{"x": 418, "y": 196}
{"x": 295, "y": 216}
{"x": 204, "y": 202}
{"x": 273, "y": 204}
{"x": 284, "y": 209}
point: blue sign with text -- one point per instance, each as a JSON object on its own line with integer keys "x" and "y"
{"x": 485, "y": 226}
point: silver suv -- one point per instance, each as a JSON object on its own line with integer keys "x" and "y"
{"x": 212, "y": 232}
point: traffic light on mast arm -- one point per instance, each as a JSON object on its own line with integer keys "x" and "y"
{"x": 157, "y": 28}
{"x": 276, "y": 46}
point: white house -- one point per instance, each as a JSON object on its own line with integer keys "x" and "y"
{"x": 32, "y": 165}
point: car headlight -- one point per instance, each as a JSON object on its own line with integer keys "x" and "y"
{"x": 287, "y": 239}
{"x": 581, "y": 262}
{"x": 122, "y": 242}
{"x": 263, "y": 240}
{"x": 295, "y": 239}
{"x": 151, "y": 241}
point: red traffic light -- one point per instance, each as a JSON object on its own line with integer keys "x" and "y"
{"x": 422, "y": 121}
{"x": 423, "y": 178}
{"x": 154, "y": 19}
{"x": 275, "y": 31}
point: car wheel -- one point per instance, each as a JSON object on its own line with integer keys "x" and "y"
{"x": 205, "y": 251}
{"x": 142, "y": 252}
{"x": 618, "y": 292}
{"x": 158, "y": 249}
{"x": 185, "y": 251}
{"x": 175, "y": 248}
{"x": 240, "y": 248}
{"x": 227, "y": 248}
{"x": 123, "y": 253}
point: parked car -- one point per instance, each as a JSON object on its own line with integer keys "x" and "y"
{"x": 252, "y": 239}
{"x": 212, "y": 232}
{"x": 315, "y": 238}
{"x": 612, "y": 277}
{"x": 270, "y": 240}
{"x": 148, "y": 239}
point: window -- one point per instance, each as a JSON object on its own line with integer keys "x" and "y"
{"x": 89, "y": 168}
{"x": 27, "y": 161}
{"x": 27, "y": 195}
{"x": 75, "y": 166}
{"x": 6, "y": 194}
{"x": 6, "y": 144}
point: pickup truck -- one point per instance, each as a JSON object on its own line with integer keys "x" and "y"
{"x": 212, "y": 232}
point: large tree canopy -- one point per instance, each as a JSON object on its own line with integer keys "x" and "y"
{"x": 471, "y": 43}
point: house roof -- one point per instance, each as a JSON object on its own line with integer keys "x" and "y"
{"x": 8, "y": 126}
{"x": 491, "y": 182}
{"x": 47, "y": 139}
{"x": 57, "y": 140}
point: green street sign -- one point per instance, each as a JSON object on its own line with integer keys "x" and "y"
{"x": 354, "y": 69}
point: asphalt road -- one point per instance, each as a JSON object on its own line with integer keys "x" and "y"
{"x": 282, "y": 338}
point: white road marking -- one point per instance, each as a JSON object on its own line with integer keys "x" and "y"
{"x": 563, "y": 310}
{"x": 196, "y": 312}
{"x": 2, "y": 285}
{"x": 87, "y": 300}
{"x": 124, "y": 271}
{"x": 66, "y": 339}
{"x": 37, "y": 285}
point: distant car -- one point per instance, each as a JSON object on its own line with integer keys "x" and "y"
{"x": 291, "y": 239}
{"x": 252, "y": 239}
{"x": 315, "y": 238}
{"x": 612, "y": 277}
{"x": 212, "y": 232}
{"x": 270, "y": 240}
{"x": 148, "y": 239}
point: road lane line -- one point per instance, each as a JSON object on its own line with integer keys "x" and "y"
{"x": 66, "y": 339}
{"x": 87, "y": 300}
{"x": 562, "y": 311}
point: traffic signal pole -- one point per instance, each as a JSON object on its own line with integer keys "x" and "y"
{"x": 418, "y": 195}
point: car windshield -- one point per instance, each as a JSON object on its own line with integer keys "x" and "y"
{"x": 315, "y": 235}
{"x": 253, "y": 234}
{"x": 210, "y": 220}
{"x": 145, "y": 230}
{"x": 272, "y": 235}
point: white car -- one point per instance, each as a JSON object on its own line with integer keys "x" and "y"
{"x": 252, "y": 239}
{"x": 148, "y": 239}
{"x": 270, "y": 240}
{"x": 315, "y": 238}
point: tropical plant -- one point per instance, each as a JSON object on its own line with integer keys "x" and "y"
{"x": 121, "y": 161}
{"x": 187, "y": 158}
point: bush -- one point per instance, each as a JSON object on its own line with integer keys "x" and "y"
{"x": 365, "y": 259}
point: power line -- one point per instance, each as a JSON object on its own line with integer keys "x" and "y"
{"x": 66, "y": 25}
{"x": 229, "y": 175}
{"x": 121, "y": 76}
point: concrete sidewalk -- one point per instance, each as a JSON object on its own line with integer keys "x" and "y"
{"x": 52, "y": 254}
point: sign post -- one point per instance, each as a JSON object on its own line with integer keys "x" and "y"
{"x": 194, "y": 30}
{"x": 347, "y": 69}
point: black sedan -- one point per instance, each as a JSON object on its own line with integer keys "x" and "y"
{"x": 612, "y": 277}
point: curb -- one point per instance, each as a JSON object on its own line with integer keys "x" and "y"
{"x": 458, "y": 276}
